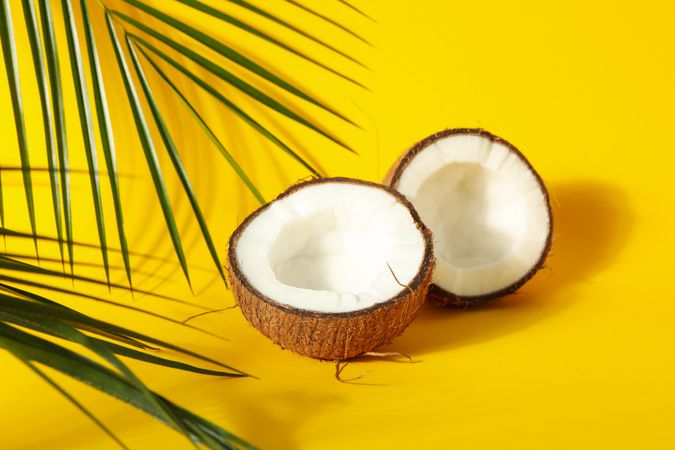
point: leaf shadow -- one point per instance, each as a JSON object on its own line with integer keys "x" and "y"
{"x": 274, "y": 427}
{"x": 592, "y": 223}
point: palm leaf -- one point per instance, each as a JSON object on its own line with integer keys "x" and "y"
{"x": 54, "y": 71}
{"x": 231, "y": 54}
{"x": 32, "y": 313}
{"x": 231, "y": 79}
{"x": 45, "y": 105}
{"x": 273, "y": 18}
{"x": 46, "y": 170}
{"x": 10, "y": 345}
{"x": 148, "y": 146}
{"x": 23, "y": 235}
{"x": 26, "y": 269}
{"x": 329, "y": 20}
{"x": 86, "y": 124}
{"x": 105, "y": 128}
{"x": 175, "y": 160}
{"x": 41, "y": 315}
{"x": 35, "y": 284}
{"x": 214, "y": 92}
{"x": 12, "y": 69}
{"x": 156, "y": 360}
{"x": 106, "y": 380}
{"x": 220, "y": 15}
{"x": 230, "y": 159}
{"x": 56, "y": 328}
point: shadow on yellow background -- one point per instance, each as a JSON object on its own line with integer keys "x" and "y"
{"x": 590, "y": 219}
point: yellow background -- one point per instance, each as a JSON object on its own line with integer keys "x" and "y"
{"x": 582, "y": 357}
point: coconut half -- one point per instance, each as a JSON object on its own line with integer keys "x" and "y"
{"x": 332, "y": 268}
{"x": 487, "y": 208}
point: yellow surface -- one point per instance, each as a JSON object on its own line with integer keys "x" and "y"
{"x": 582, "y": 357}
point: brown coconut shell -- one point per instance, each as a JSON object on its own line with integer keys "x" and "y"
{"x": 331, "y": 336}
{"x": 437, "y": 294}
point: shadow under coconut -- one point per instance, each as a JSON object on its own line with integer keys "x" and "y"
{"x": 592, "y": 222}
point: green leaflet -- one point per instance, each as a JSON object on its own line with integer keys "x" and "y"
{"x": 233, "y": 56}
{"x": 100, "y": 377}
{"x": 12, "y": 348}
{"x": 64, "y": 331}
{"x": 232, "y": 79}
{"x": 86, "y": 124}
{"x": 14, "y": 280}
{"x": 12, "y": 264}
{"x": 271, "y": 17}
{"x": 107, "y": 138}
{"x": 30, "y": 17}
{"x": 148, "y": 147}
{"x": 175, "y": 160}
{"x": 329, "y": 20}
{"x": 213, "y": 12}
{"x": 12, "y": 69}
{"x": 39, "y": 312}
{"x": 40, "y": 237}
{"x": 54, "y": 72}
{"x": 214, "y": 92}
{"x": 149, "y": 358}
{"x": 230, "y": 159}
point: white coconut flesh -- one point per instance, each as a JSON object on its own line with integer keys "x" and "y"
{"x": 328, "y": 247}
{"x": 486, "y": 209}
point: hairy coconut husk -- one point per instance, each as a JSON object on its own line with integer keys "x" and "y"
{"x": 331, "y": 336}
